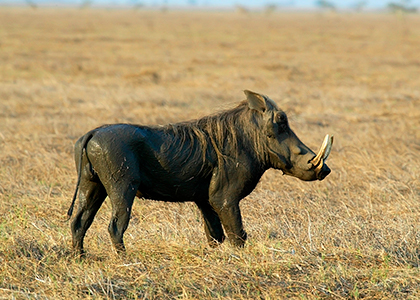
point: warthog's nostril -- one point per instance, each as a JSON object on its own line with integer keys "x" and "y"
{"x": 323, "y": 172}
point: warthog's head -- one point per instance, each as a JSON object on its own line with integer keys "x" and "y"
{"x": 283, "y": 148}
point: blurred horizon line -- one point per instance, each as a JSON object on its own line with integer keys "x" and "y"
{"x": 298, "y": 5}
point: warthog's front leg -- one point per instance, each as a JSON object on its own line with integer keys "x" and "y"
{"x": 230, "y": 215}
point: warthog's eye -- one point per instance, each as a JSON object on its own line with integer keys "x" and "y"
{"x": 281, "y": 117}
{"x": 281, "y": 120}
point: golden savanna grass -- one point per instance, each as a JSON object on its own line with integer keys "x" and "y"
{"x": 354, "y": 235}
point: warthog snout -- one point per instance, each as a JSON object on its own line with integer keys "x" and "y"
{"x": 321, "y": 169}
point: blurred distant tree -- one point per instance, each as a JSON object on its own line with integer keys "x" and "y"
{"x": 270, "y": 8}
{"x": 242, "y": 9}
{"x": 86, "y": 4}
{"x": 137, "y": 4}
{"x": 31, "y": 4}
{"x": 325, "y": 4}
{"x": 400, "y": 10}
{"x": 402, "y": 7}
{"x": 164, "y": 8}
{"x": 359, "y": 6}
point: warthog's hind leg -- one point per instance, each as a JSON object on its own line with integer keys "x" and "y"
{"x": 122, "y": 198}
{"x": 92, "y": 195}
{"x": 212, "y": 224}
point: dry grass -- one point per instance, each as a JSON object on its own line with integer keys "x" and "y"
{"x": 354, "y": 235}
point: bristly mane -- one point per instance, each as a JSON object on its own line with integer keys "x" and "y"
{"x": 225, "y": 132}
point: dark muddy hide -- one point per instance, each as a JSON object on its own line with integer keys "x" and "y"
{"x": 214, "y": 162}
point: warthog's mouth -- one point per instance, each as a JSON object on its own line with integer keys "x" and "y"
{"x": 319, "y": 160}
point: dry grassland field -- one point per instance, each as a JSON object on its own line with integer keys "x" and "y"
{"x": 357, "y": 76}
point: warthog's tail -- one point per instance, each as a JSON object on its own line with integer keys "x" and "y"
{"x": 83, "y": 142}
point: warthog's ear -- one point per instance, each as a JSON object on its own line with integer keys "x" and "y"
{"x": 255, "y": 101}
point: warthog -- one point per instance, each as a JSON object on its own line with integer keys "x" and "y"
{"x": 214, "y": 162}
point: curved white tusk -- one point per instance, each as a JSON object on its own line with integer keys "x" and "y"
{"x": 329, "y": 147}
{"x": 319, "y": 167}
{"x": 317, "y": 159}
{"x": 323, "y": 152}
